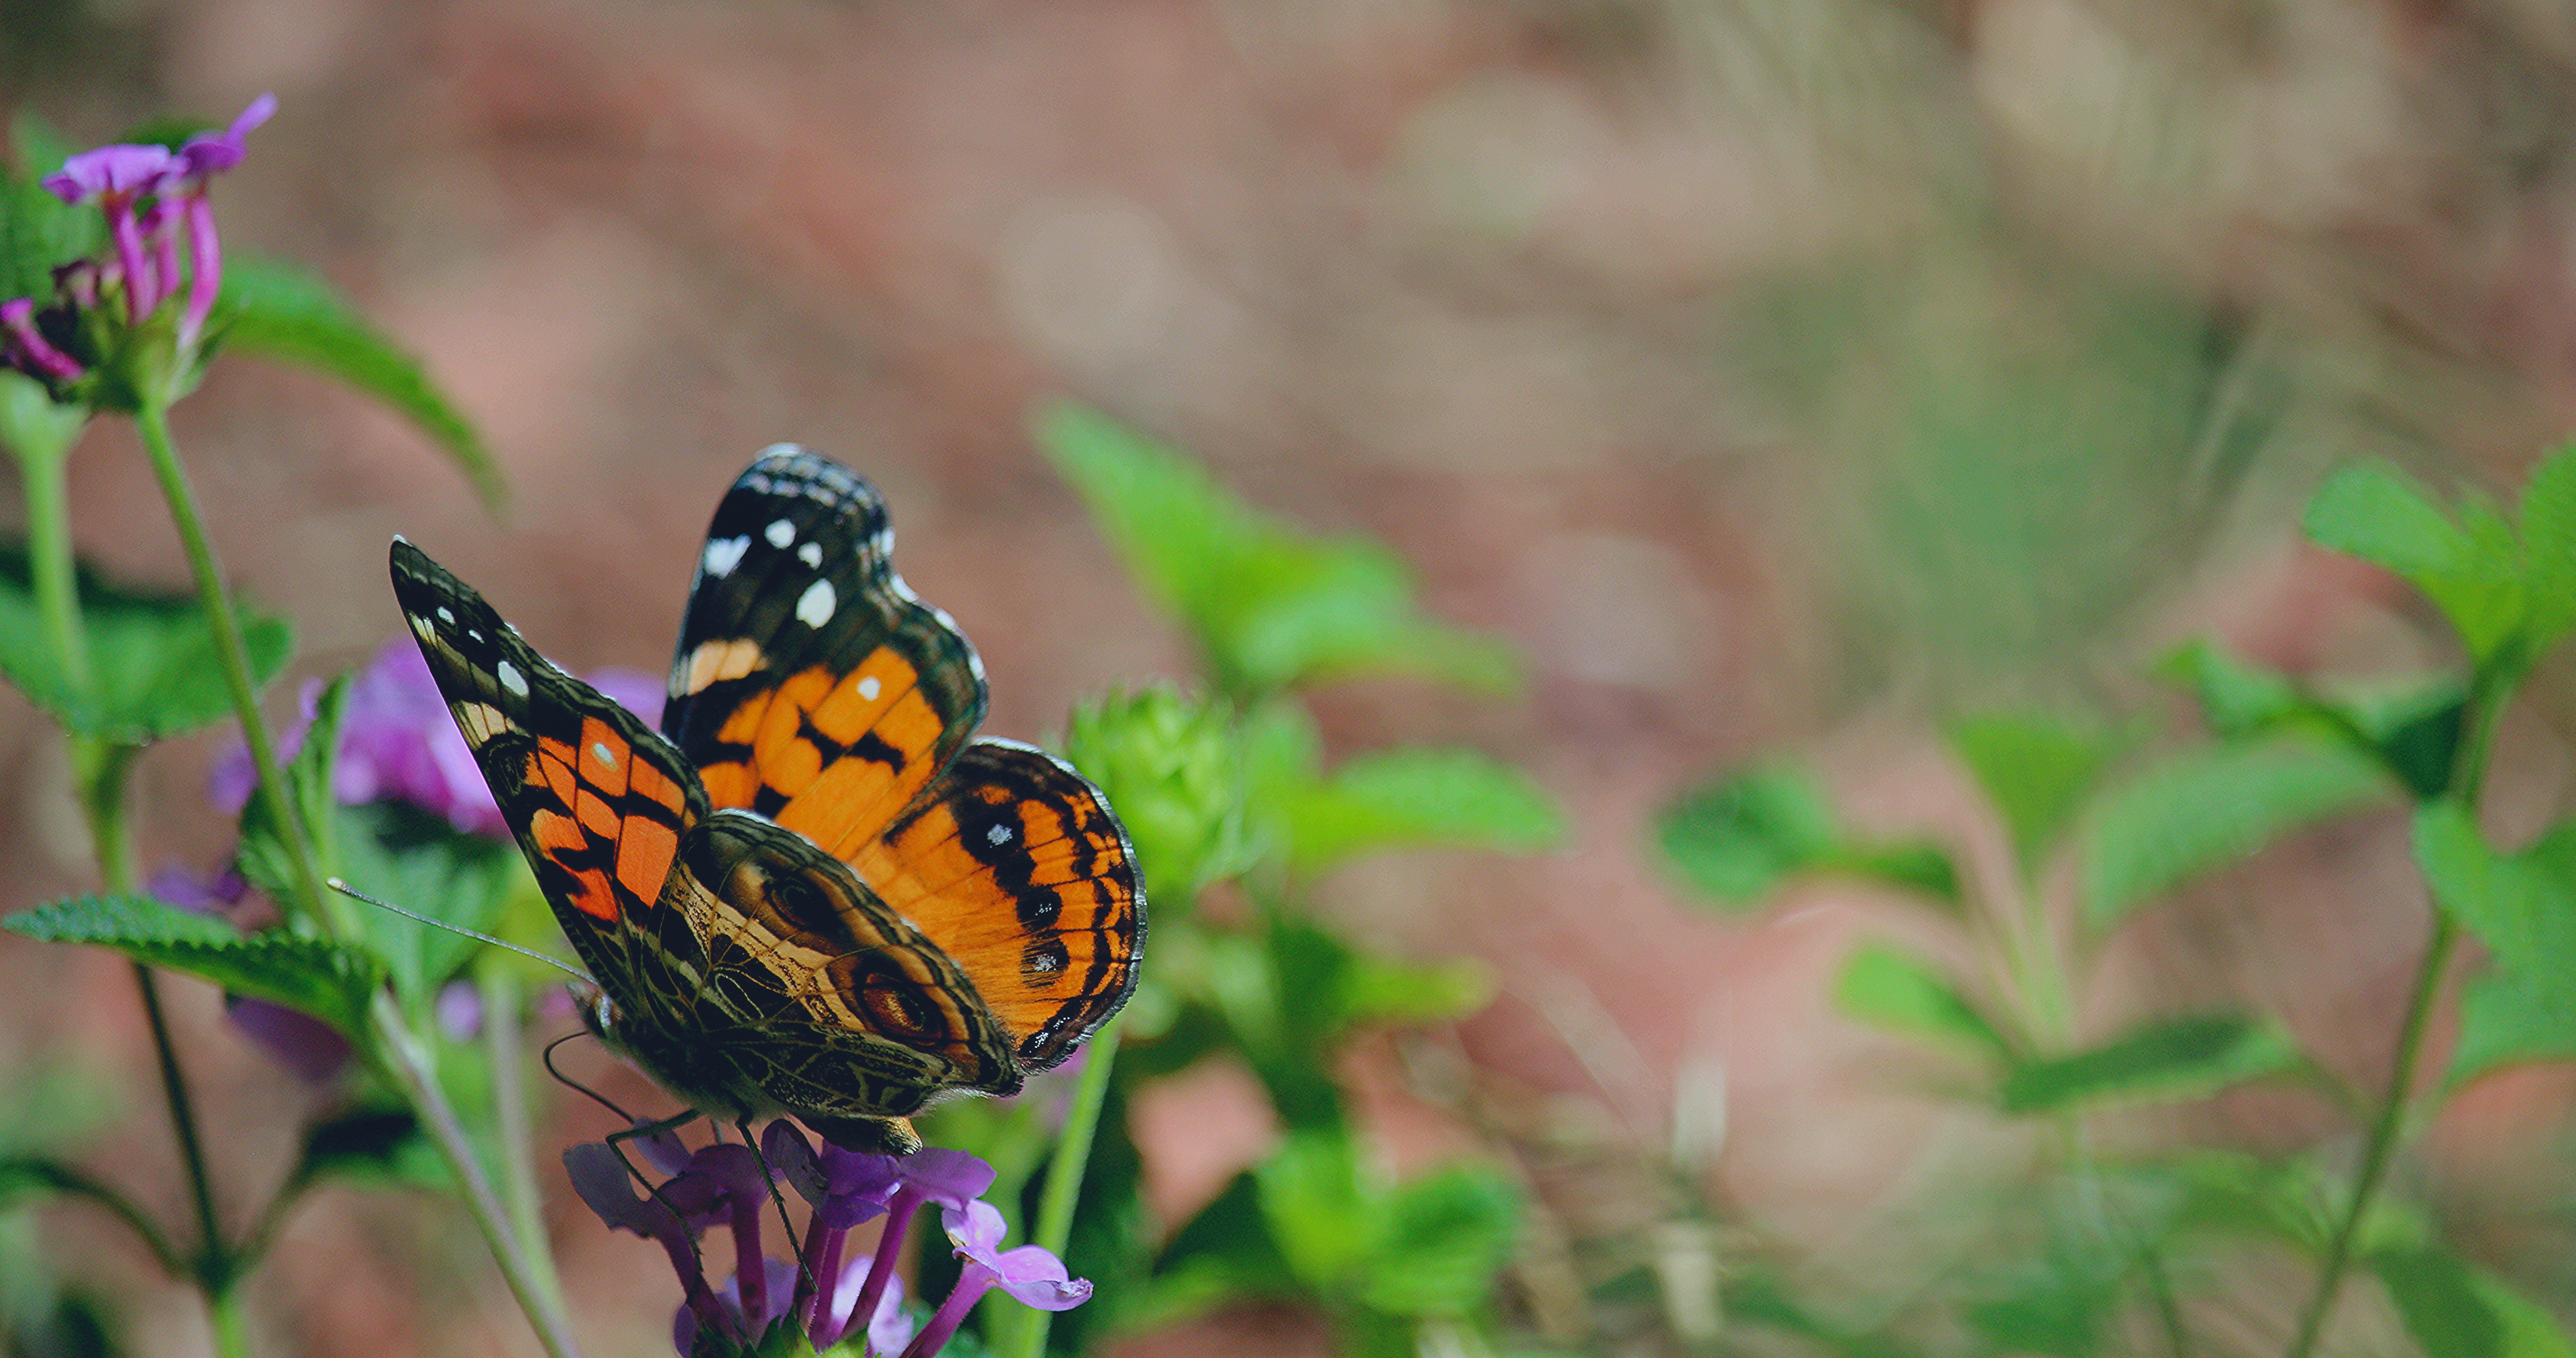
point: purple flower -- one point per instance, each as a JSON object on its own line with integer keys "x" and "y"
{"x": 123, "y": 171}
{"x": 950, "y": 1178}
{"x": 606, "y": 1188}
{"x": 34, "y": 352}
{"x": 1031, "y": 1274}
{"x": 312, "y": 1049}
{"x": 460, "y": 1011}
{"x": 212, "y": 153}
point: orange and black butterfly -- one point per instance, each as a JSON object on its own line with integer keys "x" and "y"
{"x": 814, "y": 891}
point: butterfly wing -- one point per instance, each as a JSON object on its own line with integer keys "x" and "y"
{"x": 815, "y": 994}
{"x": 810, "y": 685}
{"x": 599, "y": 803}
{"x": 1015, "y": 867}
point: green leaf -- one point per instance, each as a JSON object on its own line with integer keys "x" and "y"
{"x": 2165, "y": 1060}
{"x": 2530, "y": 1330}
{"x": 1444, "y": 1238}
{"x": 153, "y": 658}
{"x": 1268, "y": 605}
{"x": 1887, "y": 988}
{"x": 2549, "y": 548}
{"x": 37, "y": 230}
{"x": 1414, "y": 798}
{"x": 1377, "y": 990}
{"x": 2414, "y": 729}
{"x": 373, "y": 1144}
{"x": 2521, "y": 906}
{"x": 1173, "y": 766}
{"x": 266, "y": 855}
{"x": 2470, "y": 569}
{"x": 285, "y": 313}
{"x": 416, "y": 860}
{"x": 2509, "y": 1019}
{"x": 2235, "y": 697}
{"x": 2036, "y": 770}
{"x": 1319, "y": 1212}
{"x": 2438, "y": 1298}
{"x": 2201, "y": 810}
{"x": 327, "y": 980}
{"x": 1736, "y": 839}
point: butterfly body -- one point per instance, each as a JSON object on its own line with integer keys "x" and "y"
{"x": 813, "y": 891}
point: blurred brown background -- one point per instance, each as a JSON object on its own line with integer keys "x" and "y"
{"x": 1777, "y": 375}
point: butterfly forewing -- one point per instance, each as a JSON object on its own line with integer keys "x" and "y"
{"x": 597, "y": 800}
{"x": 1012, "y": 863}
{"x": 809, "y": 685}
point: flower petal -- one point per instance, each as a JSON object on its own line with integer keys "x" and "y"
{"x": 123, "y": 168}
{"x": 976, "y": 1231}
{"x": 949, "y": 1178}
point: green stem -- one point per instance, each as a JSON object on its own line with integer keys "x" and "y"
{"x": 232, "y": 1334}
{"x": 400, "y": 1051}
{"x": 214, "y": 1259}
{"x": 49, "y": 559}
{"x": 318, "y": 904}
{"x": 2488, "y": 698}
{"x": 503, "y": 1046}
{"x": 1065, "y": 1169}
{"x": 408, "y": 1062}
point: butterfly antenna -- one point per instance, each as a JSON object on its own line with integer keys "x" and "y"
{"x": 568, "y": 1082}
{"x": 347, "y": 890}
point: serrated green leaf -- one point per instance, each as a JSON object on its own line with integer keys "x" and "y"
{"x": 1268, "y": 605}
{"x": 2508, "y": 1019}
{"x": 2201, "y": 810}
{"x": 153, "y": 660}
{"x": 1888, "y": 988}
{"x": 285, "y": 313}
{"x": 2470, "y": 569}
{"x": 2521, "y": 906}
{"x": 1444, "y": 1238}
{"x": 327, "y": 980}
{"x": 266, "y": 855}
{"x": 416, "y": 860}
{"x": 2549, "y": 548}
{"x": 2164, "y": 1060}
{"x": 1737, "y": 838}
{"x": 2035, "y": 769}
{"x": 1415, "y": 798}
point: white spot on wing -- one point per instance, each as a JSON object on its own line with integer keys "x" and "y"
{"x": 445, "y": 616}
{"x": 421, "y": 628}
{"x": 814, "y": 607}
{"x": 868, "y": 688}
{"x": 811, "y": 554}
{"x": 599, "y": 750}
{"x": 511, "y": 679}
{"x": 723, "y": 555}
{"x": 779, "y": 532}
{"x": 998, "y": 835}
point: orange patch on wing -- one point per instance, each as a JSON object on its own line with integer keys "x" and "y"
{"x": 604, "y": 757}
{"x": 595, "y": 814}
{"x": 592, "y": 895}
{"x": 644, "y": 853}
{"x": 732, "y": 784}
{"x": 853, "y": 705}
{"x": 652, "y": 784}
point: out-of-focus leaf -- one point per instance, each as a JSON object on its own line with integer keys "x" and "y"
{"x": 2549, "y": 548}
{"x": 2521, "y": 906}
{"x": 38, "y": 231}
{"x": 2235, "y": 697}
{"x": 2470, "y": 569}
{"x": 153, "y": 668}
{"x": 331, "y": 982}
{"x": 1887, "y": 988}
{"x": 1173, "y": 767}
{"x": 416, "y": 860}
{"x": 283, "y": 312}
{"x": 2050, "y": 1311}
{"x": 1223, "y": 1252}
{"x": 1445, "y": 1236}
{"x": 1268, "y": 605}
{"x": 2200, "y": 810}
{"x": 2508, "y": 1019}
{"x": 2035, "y": 769}
{"x": 2438, "y": 1298}
{"x": 1319, "y": 1211}
{"x": 1376, "y": 990}
{"x": 1410, "y": 798}
{"x": 2529, "y": 1330}
{"x": 373, "y": 1144}
{"x": 1736, "y": 839}
{"x": 2415, "y": 730}
{"x": 2168, "y": 1059}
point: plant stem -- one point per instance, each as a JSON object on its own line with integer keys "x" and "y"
{"x": 408, "y": 1062}
{"x": 398, "y": 1049}
{"x": 502, "y": 1046}
{"x": 318, "y": 904}
{"x": 1065, "y": 1169}
{"x": 49, "y": 559}
{"x": 232, "y": 1335}
{"x": 214, "y": 1259}
{"x": 2488, "y": 698}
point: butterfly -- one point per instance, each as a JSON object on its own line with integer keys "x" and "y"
{"x": 814, "y": 891}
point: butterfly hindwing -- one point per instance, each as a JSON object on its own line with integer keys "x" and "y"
{"x": 597, "y": 800}
{"x": 810, "y": 685}
{"x": 1013, "y": 865}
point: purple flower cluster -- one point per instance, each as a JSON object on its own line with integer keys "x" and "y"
{"x": 827, "y": 1289}
{"x": 151, "y": 197}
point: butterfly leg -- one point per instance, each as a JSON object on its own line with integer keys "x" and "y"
{"x": 795, "y": 1247}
